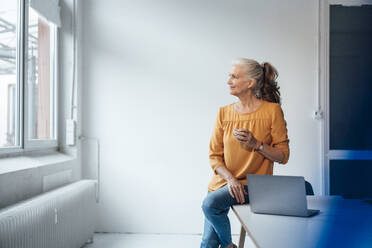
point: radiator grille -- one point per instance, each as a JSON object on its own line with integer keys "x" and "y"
{"x": 61, "y": 218}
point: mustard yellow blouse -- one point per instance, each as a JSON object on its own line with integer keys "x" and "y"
{"x": 267, "y": 124}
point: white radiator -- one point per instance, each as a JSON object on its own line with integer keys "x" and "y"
{"x": 61, "y": 218}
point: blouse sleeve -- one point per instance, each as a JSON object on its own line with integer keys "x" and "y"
{"x": 279, "y": 133}
{"x": 216, "y": 148}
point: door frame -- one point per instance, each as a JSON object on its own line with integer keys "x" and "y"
{"x": 323, "y": 91}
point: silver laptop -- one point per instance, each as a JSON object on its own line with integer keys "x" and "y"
{"x": 281, "y": 195}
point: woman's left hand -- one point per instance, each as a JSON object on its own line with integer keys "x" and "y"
{"x": 246, "y": 138}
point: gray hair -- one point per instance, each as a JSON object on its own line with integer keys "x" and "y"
{"x": 252, "y": 69}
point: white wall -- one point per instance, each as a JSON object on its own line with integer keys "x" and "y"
{"x": 154, "y": 74}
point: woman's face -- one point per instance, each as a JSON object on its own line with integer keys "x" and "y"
{"x": 238, "y": 82}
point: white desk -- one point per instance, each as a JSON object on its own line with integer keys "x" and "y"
{"x": 340, "y": 223}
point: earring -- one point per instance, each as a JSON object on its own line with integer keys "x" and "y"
{"x": 258, "y": 94}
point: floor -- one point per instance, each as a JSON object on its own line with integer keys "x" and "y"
{"x": 118, "y": 240}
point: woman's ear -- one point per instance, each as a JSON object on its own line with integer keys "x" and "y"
{"x": 251, "y": 83}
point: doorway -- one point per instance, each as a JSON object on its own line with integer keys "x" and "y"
{"x": 346, "y": 69}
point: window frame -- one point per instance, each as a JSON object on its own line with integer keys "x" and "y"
{"x": 24, "y": 144}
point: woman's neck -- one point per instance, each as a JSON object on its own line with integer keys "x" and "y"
{"x": 249, "y": 101}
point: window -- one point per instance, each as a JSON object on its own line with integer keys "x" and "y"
{"x": 40, "y": 78}
{"x": 28, "y": 62}
{"x": 9, "y": 100}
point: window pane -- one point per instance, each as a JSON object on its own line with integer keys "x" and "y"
{"x": 8, "y": 74}
{"x": 351, "y": 178}
{"x": 350, "y": 78}
{"x": 40, "y": 77}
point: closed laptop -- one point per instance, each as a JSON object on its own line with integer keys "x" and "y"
{"x": 281, "y": 195}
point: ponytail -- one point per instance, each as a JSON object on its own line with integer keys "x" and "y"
{"x": 270, "y": 89}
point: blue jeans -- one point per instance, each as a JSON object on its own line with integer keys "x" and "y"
{"x": 216, "y": 205}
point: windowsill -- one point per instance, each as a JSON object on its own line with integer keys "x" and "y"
{"x": 23, "y": 162}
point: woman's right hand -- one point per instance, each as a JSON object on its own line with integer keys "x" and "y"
{"x": 236, "y": 190}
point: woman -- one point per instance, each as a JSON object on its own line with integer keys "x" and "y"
{"x": 248, "y": 137}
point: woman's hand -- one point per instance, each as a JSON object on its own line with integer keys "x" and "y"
{"x": 236, "y": 190}
{"x": 246, "y": 138}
